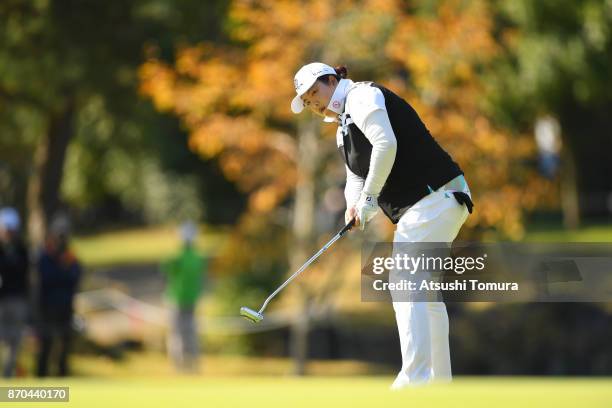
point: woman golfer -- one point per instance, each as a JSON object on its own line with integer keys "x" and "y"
{"x": 394, "y": 163}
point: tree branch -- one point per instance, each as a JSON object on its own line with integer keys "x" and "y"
{"x": 20, "y": 97}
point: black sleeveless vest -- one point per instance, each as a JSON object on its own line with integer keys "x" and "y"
{"x": 420, "y": 163}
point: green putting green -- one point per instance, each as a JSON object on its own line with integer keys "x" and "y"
{"x": 322, "y": 392}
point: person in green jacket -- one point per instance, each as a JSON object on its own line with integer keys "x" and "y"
{"x": 185, "y": 273}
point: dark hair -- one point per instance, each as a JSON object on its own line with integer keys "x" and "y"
{"x": 341, "y": 72}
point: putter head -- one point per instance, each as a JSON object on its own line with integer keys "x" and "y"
{"x": 251, "y": 314}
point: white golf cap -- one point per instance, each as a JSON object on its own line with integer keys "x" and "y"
{"x": 305, "y": 78}
{"x": 9, "y": 219}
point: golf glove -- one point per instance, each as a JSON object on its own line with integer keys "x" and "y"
{"x": 366, "y": 207}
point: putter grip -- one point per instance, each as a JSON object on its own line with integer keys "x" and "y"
{"x": 347, "y": 227}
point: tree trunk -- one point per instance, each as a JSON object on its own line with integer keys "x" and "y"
{"x": 46, "y": 178}
{"x": 303, "y": 233}
{"x": 569, "y": 190}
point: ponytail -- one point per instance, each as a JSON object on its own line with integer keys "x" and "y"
{"x": 341, "y": 71}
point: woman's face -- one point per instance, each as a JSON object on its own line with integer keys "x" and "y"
{"x": 318, "y": 96}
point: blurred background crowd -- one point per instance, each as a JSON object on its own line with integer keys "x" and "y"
{"x": 153, "y": 179}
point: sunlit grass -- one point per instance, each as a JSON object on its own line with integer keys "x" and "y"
{"x": 556, "y": 233}
{"x": 322, "y": 392}
{"x": 151, "y": 245}
{"x": 155, "y": 364}
{"x": 147, "y": 245}
{"x": 148, "y": 380}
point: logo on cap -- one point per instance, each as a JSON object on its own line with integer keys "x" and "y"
{"x": 297, "y": 84}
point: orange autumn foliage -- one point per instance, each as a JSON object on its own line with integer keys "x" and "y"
{"x": 234, "y": 99}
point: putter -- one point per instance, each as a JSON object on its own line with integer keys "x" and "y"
{"x": 256, "y": 317}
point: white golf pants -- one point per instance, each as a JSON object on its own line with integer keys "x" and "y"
{"x": 423, "y": 326}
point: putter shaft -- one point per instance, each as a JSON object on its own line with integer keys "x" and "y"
{"x": 258, "y": 316}
{"x": 308, "y": 262}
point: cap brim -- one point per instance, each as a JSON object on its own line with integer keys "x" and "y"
{"x": 297, "y": 105}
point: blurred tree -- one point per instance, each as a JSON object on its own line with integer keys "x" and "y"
{"x": 556, "y": 61}
{"x": 59, "y": 58}
{"x": 444, "y": 47}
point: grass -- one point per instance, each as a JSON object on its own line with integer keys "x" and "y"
{"x": 321, "y": 392}
{"x": 147, "y": 380}
{"x": 133, "y": 246}
{"x": 151, "y": 245}
{"x": 545, "y": 232}
{"x": 155, "y": 364}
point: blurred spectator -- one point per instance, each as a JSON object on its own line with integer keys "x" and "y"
{"x": 59, "y": 275}
{"x": 185, "y": 273}
{"x": 14, "y": 285}
{"x": 548, "y": 140}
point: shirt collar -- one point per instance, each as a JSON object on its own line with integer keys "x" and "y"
{"x": 336, "y": 103}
